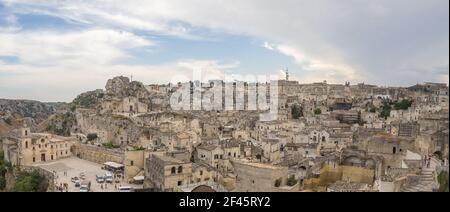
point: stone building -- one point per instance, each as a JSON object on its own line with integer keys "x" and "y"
{"x": 164, "y": 173}
{"x": 28, "y": 148}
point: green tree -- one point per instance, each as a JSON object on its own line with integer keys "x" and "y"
{"x": 31, "y": 182}
{"x": 403, "y": 105}
{"x": 386, "y": 110}
{"x": 296, "y": 111}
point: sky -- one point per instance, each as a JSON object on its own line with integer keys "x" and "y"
{"x": 53, "y": 50}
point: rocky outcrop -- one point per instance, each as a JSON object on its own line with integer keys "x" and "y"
{"x": 88, "y": 100}
{"x": 16, "y": 109}
{"x": 121, "y": 87}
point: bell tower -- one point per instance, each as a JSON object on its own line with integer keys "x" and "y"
{"x": 26, "y": 130}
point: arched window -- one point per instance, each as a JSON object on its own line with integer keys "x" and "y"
{"x": 173, "y": 171}
{"x": 180, "y": 169}
{"x": 323, "y": 138}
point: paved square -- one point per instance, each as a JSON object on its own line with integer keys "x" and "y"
{"x": 73, "y": 167}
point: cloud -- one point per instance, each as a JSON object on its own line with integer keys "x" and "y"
{"x": 315, "y": 70}
{"x": 57, "y": 66}
{"x": 383, "y": 42}
{"x": 374, "y": 38}
{"x": 94, "y": 46}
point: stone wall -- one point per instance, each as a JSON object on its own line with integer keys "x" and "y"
{"x": 331, "y": 174}
{"x": 98, "y": 154}
{"x": 258, "y": 177}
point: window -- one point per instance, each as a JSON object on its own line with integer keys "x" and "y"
{"x": 26, "y": 134}
{"x": 132, "y": 163}
{"x": 51, "y": 157}
{"x": 34, "y": 159}
{"x": 66, "y": 145}
{"x": 173, "y": 170}
{"x": 66, "y": 152}
{"x": 323, "y": 138}
{"x": 229, "y": 154}
{"x": 201, "y": 172}
{"x": 180, "y": 169}
{"x": 51, "y": 146}
{"x": 234, "y": 155}
{"x": 180, "y": 183}
{"x": 26, "y": 144}
{"x": 34, "y": 148}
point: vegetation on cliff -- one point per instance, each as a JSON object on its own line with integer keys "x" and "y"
{"x": 31, "y": 182}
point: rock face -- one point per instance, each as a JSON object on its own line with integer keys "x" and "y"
{"x": 89, "y": 99}
{"x": 121, "y": 87}
{"x": 39, "y": 111}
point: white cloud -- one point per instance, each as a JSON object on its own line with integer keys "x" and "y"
{"x": 374, "y": 38}
{"x": 95, "y": 46}
{"x": 384, "y": 42}
{"x": 57, "y": 66}
{"x": 316, "y": 70}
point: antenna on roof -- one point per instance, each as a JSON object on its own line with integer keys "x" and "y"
{"x": 287, "y": 74}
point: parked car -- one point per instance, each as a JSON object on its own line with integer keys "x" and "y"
{"x": 125, "y": 189}
{"x": 109, "y": 177}
{"x": 77, "y": 183}
{"x": 85, "y": 186}
{"x": 100, "y": 178}
{"x": 74, "y": 179}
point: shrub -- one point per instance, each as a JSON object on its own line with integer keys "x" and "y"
{"x": 443, "y": 182}
{"x": 291, "y": 181}
{"x": 296, "y": 112}
{"x": 317, "y": 111}
{"x": 8, "y": 120}
{"x": 110, "y": 145}
{"x": 92, "y": 136}
{"x": 278, "y": 183}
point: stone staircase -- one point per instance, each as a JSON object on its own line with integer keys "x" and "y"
{"x": 427, "y": 180}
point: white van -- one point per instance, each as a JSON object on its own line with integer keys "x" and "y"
{"x": 109, "y": 177}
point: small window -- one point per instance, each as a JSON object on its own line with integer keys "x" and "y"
{"x": 26, "y": 144}
{"x": 180, "y": 169}
{"x": 34, "y": 159}
{"x": 180, "y": 183}
{"x": 132, "y": 163}
{"x": 201, "y": 172}
{"x": 173, "y": 170}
